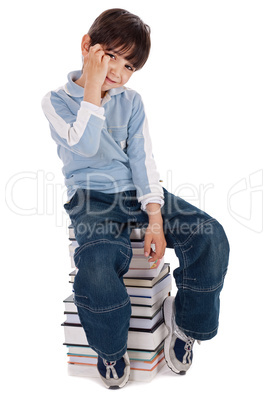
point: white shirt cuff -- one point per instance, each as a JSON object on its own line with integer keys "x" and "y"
{"x": 156, "y": 200}
{"x": 93, "y": 108}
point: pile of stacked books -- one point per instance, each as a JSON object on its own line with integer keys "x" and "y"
{"x": 148, "y": 284}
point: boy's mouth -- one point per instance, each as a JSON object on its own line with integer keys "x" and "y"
{"x": 110, "y": 81}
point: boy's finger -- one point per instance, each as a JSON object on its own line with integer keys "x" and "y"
{"x": 158, "y": 253}
{"x": 147, "y": 247}
{"x": 96, "y": 47}
{"x": 155, "y": 253}
{"x": 106, "y": 58}
{"x": 155, "y": 256}
{"x": 147, "y": 251}
{"x": 97, "y": 50}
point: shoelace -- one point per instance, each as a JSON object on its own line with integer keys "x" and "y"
{"x": 110, "y": 368}
{"x": 189, "y": 343}
{"x": 188, "y": 348}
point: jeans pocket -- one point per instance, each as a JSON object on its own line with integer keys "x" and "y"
{"x": 76, "y": 204}
{"x": 69, "y": 204}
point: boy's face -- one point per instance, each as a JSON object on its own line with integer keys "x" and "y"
{"x": 119, "y": 71}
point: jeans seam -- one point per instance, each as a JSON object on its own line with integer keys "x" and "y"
{"x": 103, "y": 310}
{"x": 94, "y": 242}
{"x": 124, "y": 254}
{"x": 175, "y": 242}
{"x": 109, "y": 354}
{"x": 180, "y": 245}
{"x": 194, "y": 232}
{"x": 201, "y": 333}
{"x": 200, "y": 290}
{"x": 84, "y": 297}
{"x": 127, "y": 261}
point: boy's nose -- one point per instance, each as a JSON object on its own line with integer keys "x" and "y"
{"x": 115, "y": 71}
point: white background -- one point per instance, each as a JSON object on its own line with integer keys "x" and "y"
{"x": 205, "y": 91}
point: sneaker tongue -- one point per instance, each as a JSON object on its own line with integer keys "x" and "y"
{"x": 180, "y": 334}
{"x": 110, "y": 364}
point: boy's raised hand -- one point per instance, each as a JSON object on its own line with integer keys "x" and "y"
{"x": 96, "y": 64}
{"x": 95, "y": 71}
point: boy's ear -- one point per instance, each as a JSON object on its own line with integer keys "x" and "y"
{"x": 85, "y": 44}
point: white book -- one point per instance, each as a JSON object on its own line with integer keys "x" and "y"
{"x": 136, "y": 322}
{"x": 72, "y": 246}
{"x": 135, "y": 234}
{"x": 141, "y": 262}
{"x": 146, "y": 323}
{"x": 137, "y": 252}
{"x": 81, "y": 350}
{"x": 136, "y": 244}
{"x": 72, "y": 262}
{"x": 144, "y": 272}
{"x": 135, "y": 282}
{"x": 139, "y": 268}
{"x": 69, "y": 305}
{"x": 143, "y": 355}
{"x": 71, "y": 232}
{"x": 134, "y": 364}
{"x": 137, "y": 339}
{"x": 139, "y": 272}
{"x": 147, "y": 282}
{"x": 83, "y": 370}
{"x": 162, "y": 284}
{"x": 150, "y": 300}
{"x": 137, "y": 310}
{"x": 147, "y": 311}
{"x": 72, "y": 318}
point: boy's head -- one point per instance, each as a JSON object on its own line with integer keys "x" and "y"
{"x": 119, "y": 29}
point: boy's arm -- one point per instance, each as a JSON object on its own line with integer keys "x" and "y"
{"x": 139, "y": 149}
{"x": 80, "y": 134}
{"x": 146, "y": 179}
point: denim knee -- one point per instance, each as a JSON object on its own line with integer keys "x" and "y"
{"x": 205, "y": 257}
{"x": 99, "y": 283}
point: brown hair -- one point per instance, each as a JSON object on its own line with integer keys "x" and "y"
{"x": 119, "y": 29}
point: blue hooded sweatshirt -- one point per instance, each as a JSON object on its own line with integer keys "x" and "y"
{"x": 105, "y": 148}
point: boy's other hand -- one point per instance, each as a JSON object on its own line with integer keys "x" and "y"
{"x": 154, "y": 235}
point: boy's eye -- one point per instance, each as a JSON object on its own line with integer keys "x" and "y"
{"x": 129, "y": 67}
{"x": 111, "y": 55}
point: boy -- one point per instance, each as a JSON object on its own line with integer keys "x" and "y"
{"x": 101, "y": 131}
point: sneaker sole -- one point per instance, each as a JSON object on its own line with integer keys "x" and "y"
{"x": 113, "y": 387}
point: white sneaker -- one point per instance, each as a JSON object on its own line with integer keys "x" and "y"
{"x": 114, "y": 374}
{"x": 177, "y": 346}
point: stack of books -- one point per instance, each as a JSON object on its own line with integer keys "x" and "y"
{"x": 148, "y": 284}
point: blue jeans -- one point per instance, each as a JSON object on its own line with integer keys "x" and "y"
{"x": 102, "y": 225}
